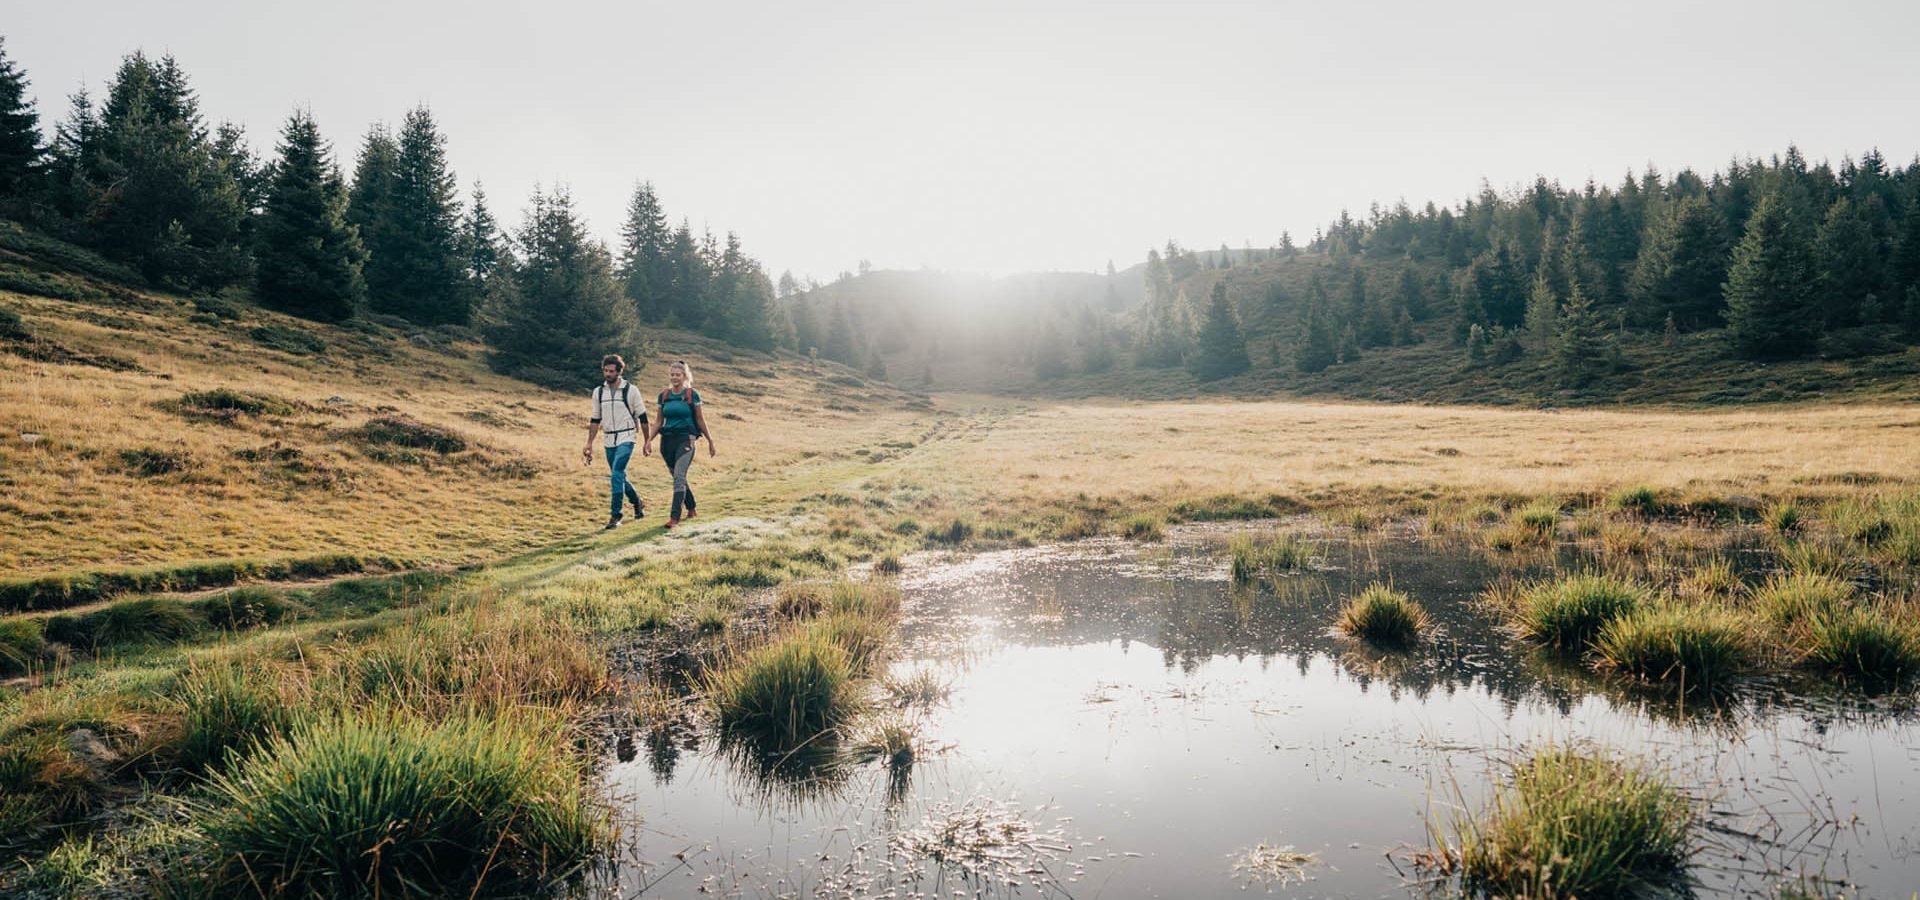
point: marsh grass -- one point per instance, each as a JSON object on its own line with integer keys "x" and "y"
{"x": 1639, "y": 500}
{"x": 1873, "y": 645}
{"x": 1252, "y": 558}
{"x": 1711, "y": 579}
{"x": 1383, "y": 616}
{"x": 1791, "y": 601}
{"x": 1567, "y": 613}
{"x": 1541, "y": 517}
{"x": 785, "y": 693}
{"x": 388, "y": 804}
{"x": 1783, "y": 517}
{"x": 924, "y": 688}
{"x": 1144, "y": 527}
{"x": 1574, "y": 823}
{"x": 1689, "y": 648}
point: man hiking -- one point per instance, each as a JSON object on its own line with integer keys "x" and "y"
{"x": 624, "y": 419}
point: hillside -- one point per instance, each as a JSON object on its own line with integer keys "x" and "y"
{"x": 140, "y": 429}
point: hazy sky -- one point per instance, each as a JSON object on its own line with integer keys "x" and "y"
{"x": 1035, "y": 135}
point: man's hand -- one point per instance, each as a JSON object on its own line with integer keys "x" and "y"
{"x": 646, "y": 449}
{"x": 586, "y": 455}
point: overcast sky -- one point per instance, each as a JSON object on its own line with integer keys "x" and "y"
{"x": 998, "y": 138}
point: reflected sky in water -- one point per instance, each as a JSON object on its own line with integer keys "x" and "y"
{"x": 1124, "y": 698}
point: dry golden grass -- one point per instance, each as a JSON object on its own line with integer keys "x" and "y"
{"x": 1189, "y": 449}
{"x": 72, "y": 500}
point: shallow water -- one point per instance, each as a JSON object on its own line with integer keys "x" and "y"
{"x": 1151, "y": 726}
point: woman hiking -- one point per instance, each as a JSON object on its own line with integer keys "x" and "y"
{"x": 682, "y": 422}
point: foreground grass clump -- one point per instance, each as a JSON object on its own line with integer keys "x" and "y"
{"x": 392, "y": 805}
{"x": 1577, "y": 824}
{"x": 1566, "y": 614}
{"x": 1384, "y": 616}
{"x": 21, "y": 644}
{"x": 1870, "y": 645}
{"x": 1692, "y": 648}
{"x": 227, "y": 710}
{"x": 1253, "y": 558}
{"x": 786, "y": 692}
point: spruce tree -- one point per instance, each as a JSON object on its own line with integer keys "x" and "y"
{"x": 485, "y": 247}
{"x": 1682, "y": 265}
{"x": 1413, "y": 297}
{"x": 73, "y": 161}
{"x": 1543, "y": 315}
{"x": 1579, "y": 346}
{"x": 560, "y": 310}
{"x": 1852, "y": 263}
{"x": 807, "y": 337}
{"x": 416, "y": 269}
{"x": 1903, "y": 271}
{"x": 309, "y": 257}
{"x": 646, "y": 267}
{"x": 1221, "y": 351}
{"x": 1316, "y": 350}
{"x": 20, "y": 148}
{"x": 1771, "y": 284}
{"x": 155, "y": 196}
{"x": 687, "y": 275}
{"x": 837, "y": 345}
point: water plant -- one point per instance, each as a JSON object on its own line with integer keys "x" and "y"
{"x": 1692, "y": 648}
{"x": 1712, "y": 579}
{"x": 923, "y": 688}
{"x": 387, "y": 804}
{"x": 1384, "y": 616}
{"x": 1252, "y": 558}
{"x": 1574, "y": 823}
{"x": 785, "y": 692}
{"x": 1568, "y": 612}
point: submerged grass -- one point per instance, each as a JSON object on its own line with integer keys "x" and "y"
{"x": 1572, "y": 823}
{"x": 1383, "y": 616}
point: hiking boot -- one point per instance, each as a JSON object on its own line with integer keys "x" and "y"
{"x": 612, "y": 523}
{"x": 672, "y": 522}
{"x": 639, "y": 510}
{"x": 689, "y": 512}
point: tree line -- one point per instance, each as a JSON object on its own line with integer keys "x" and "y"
{"x": 140, "y": 178}
{"x": 1782, "y": 258}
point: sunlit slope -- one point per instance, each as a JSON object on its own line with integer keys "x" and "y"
{"x": 142, "y": 431}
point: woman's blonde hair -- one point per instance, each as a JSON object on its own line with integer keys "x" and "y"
{"x": 683, "y": 368}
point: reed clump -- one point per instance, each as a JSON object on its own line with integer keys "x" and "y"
{"x": 786, "y": 692}
{"x": 1870, "y": 644}
{"x": 1573, "y": 823}
{"x": 1384, "y": 616}
{"x": 1691, "y": 648}
{"x": 1567, "y": 613}
{"x": 1253, "y": 558}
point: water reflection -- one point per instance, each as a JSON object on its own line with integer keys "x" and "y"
{"x": 1170, "y": 721}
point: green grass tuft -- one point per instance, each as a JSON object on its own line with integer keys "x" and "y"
{"x": 1794, "y": 600}
{"x": 127, "y": 623}
{"x": 1253, "y": 558}
{"x": 1144, "y": 527}
{"x": 785, "y": 693}
{"x": 1640, "y": 500}
{"x": 1573, "y": 824}
{"x": 1869, "y": 645}
{"x": 1566, "y": 614}
{"x": 248, "y": 607}
{"x": 228, "y": 709}
{"x": 391, "y": 805}
{"x": 1783, "y": 517}
{"x": 1540, "y": 517}
{"x": 21, "y": 643}
{"x": 1384, "y": 616}
{"x": 1692, "y": 648}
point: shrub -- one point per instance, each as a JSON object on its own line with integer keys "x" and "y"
{"x": 287, "y": 339}
{"x": 127, "y": 623}
{"x": 216, "y": 307}
{"x": 1573, "y": 824}
{"x": 786, "y": 692}
{"x": 11, "y": 327}
{"x": 21, "y": 643}
{"x": 1567, "y": 613}
{"x": 390, "y": 805}
{"x": 1384, "y": 616}
{"x": 399, "y": 431}
{"x": 1866, "y": 645}
{"x": 1691, "y": 648}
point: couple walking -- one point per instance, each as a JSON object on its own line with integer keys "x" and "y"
{"x": 622, "y": 417}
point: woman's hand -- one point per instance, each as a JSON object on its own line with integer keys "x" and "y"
{"x": 646, "y": 447}
{"x": 711, "y": 453}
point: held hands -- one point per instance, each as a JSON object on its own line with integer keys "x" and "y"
{"x": 646, "y": 447}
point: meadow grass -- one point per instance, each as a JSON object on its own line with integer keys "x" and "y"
{"x": 1871, "y": 645}
{"x": 1541, "y": 517}
{"x": 228, "y": 708}
{"x": 1383, "y": 616}
{"x": 1567, "y": 613}
{"x": 1792, "y": 600}
{"x": 1573, "y": 823}
{"x": 22, "y": 641}
{"x": 389, "y": 804}
{"x": 1690, "y": 648}
{"x": 1783, "y": 517}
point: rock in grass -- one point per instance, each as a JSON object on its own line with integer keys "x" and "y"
{"x": 1384, "y": 616}
{"x": 1572, "y": 823}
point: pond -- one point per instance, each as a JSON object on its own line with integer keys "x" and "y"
{"x": 1120, "y": 721}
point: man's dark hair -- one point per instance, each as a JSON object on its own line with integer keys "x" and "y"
{"x": 613, "y": 359}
